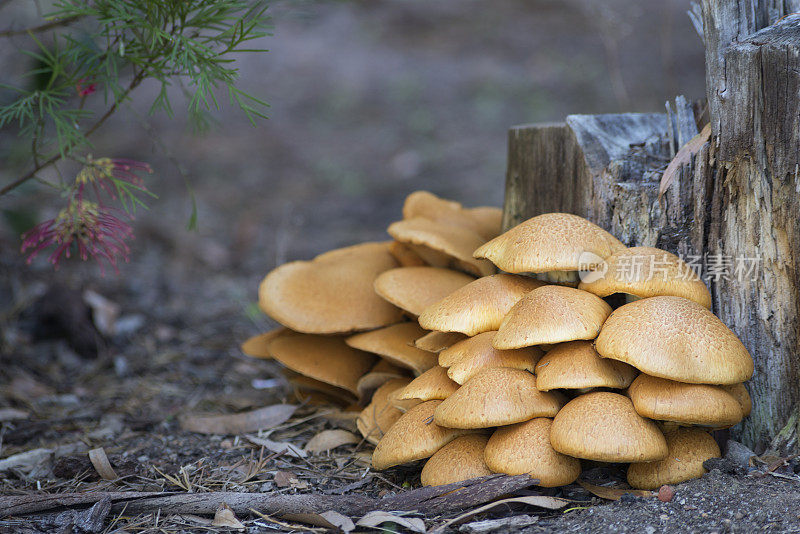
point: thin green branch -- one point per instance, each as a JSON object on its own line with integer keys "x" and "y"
{"x": 42, "y": 27}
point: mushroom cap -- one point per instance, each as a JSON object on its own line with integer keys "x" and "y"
{"x": 457, "y": 242}
{"x": 380, "y": 414}
{"x": 303, "y": 383}
{"x": 433, "y": 384}
{"x": 468, "y": 357}
{"x": 415, "y": 288}
{"x": 484, "y": 220}
{"x": 605, "y": 427}
{"x": 497, "y": 396}
{"x": 461, "y": 459}
{"x": 396, "y": 344}
{"x": 323, "y": 358}
{"x": 438, "y": 341}
{"x": 739, "y": 392}
{"x": 478, "y": 306}
{"x": 576, "y": 365}
{"x": 381, "y": 372}
{"x": 552, "y": 314}
{"x": 688, "y": 449}
{"x": 675, "y": 338}
{"x": 413, "y": 437}
{"x": 649, "y": 272}
{"x": 258, "y": 346}
{"x": 333, "y": 293}
{"x": 525, "y": 448}
{"x": 686, "y": 404}
{"x": 548, "y": 242}
{"x": 405, "y": 255}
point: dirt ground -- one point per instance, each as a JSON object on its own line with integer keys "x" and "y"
{"x": 370, "y": 101}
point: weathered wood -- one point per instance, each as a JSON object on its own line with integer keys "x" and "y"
{"x": 427, "y": 500}
{"x": 736, "y": 205}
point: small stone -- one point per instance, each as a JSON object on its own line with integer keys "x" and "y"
{"x": 664, "y": 517}
{"x": 738, "y": 516}
{"x": 666, "y": 493}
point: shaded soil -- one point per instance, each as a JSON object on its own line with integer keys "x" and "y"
{"x": 370, "y": 101}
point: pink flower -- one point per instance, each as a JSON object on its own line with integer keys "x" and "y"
{"x": 85, "y": 90}
{"x": 106, "y": 175}
{"x": 85, "y": 228}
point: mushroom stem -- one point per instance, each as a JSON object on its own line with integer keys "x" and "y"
{"x": 631, "y": 298}
{"x": 559, "y": 277}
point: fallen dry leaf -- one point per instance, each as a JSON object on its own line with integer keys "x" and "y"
{"x": 330, "y": 520}
{"x": 540, "y": 501}
{"x": 683, "y": 157}
{"x": 287, "y": 479}
{"x": 101, "y": 464}
{"x": 224, "y": 517}
{"x": 260, "y": 419}
{"x": 104, "y": 312}
{"x": 330, "y": 439}
{"x": 613, "y": 494}
{"x": 280, "y": 447}
{"x": 377, "y": 518}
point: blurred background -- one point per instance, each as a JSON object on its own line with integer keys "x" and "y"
{"x": 370, "y": 100}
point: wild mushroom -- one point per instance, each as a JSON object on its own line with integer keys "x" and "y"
{"x": 258, "y": 346}
{"x": 739, "y": 392}
{"x": 433, "y": 384}
{"x": 648, "y": 272}
{"x": 468, "y": 357}
{"x": 688, "y": 449}
{"x": 496, "y": 396}
{"x": 396, "y": 344}
{"x": 675, "y": 338}
{"x": 605, "y": 427}
{"x": 405, "y": 255}
{"x": 331, "y": 294}
{"x": 576, "y": 365}
{"x": 381, "y": 413}
{"x": 461, "y": 459}
{"x": 413, "y": 437}
{"x": 552, "y": 314}
{"x": 456, "y": 242}
{"x": 415, "y": 288}
{"x": 323, "y": 358}
{"x": 478, "y": 306}
{"x": 553, "y": 244}
{"x": 525, "y": 448}
{"x": 381, "y": 372}
{"x": 483, "y": 220}
{"x": 438, "y": 341}
{"x": 685, "y": 404}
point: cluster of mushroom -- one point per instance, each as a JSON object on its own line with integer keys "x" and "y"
{"x": 526, "y": 371}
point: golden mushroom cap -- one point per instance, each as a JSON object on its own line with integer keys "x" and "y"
{"x": 396, "y": 344}
{"x": 548, "y": 242}
{"x": 605, "y": 427}
{"x": 468, "y": 357}
{"x": 552, "y": 314}
{"x": 484, "y": 220}
{"x": 576, "y": 365}
{"x": 415, "y": 288}
{"x": 456, "y": 242}
{"x": 675, "y": 338}
{"x": 648, "y": 272}
{"x": 688, "y": 449}
{"x": 258, "y": 346}
{"x": 478, "y": 306}
{"x": 413, "y": 437}
{"x": 461, "y": 459}
{"x": 405, "y": 255}
{"x": 525, "y": 448}
{"x": 496, "y": 396}
{"x": 304, "y": 384}
{"x": 333, "y": 293}
{"x": 323, "y": 358}
{"x": 380, "y": 414}
{"x": 686, "y": 404}
{"x": 739, "y": 392}
{"x": 433, "y": 384}
{"x": 438, "y": 341}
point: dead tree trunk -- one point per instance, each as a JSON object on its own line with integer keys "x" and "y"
{"x": 735, "y": 205}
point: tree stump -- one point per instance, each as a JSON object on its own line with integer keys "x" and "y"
{"x": 732, "y": 209}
